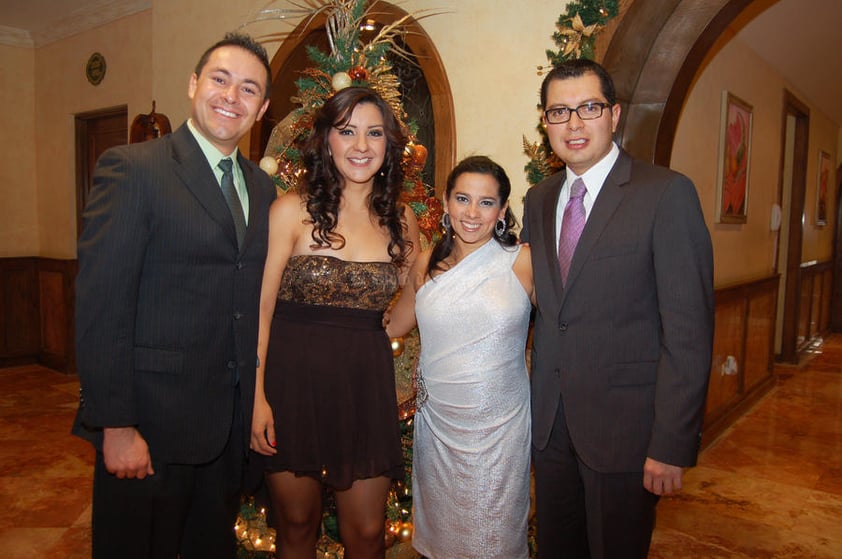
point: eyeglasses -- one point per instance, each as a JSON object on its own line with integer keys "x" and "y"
{"x": 586, "y": 111}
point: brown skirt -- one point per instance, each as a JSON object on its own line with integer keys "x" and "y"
{"x": 330, "y": 381}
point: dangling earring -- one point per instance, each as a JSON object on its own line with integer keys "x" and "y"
{"x": 500, "y": 227}
{"x": 382, "y": 173}
{"x": 445, "y": 221}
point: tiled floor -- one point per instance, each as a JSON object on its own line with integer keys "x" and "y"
{"x": 45, "y": 473}
{"x": 770, "y": 487}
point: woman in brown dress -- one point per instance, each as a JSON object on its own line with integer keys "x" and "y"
{"x": 325, "y": 407}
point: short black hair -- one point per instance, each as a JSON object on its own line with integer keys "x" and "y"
{"x": 234, "y": 39}
{"x": 575, "y": 68}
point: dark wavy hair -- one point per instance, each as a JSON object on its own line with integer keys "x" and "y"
{"x": 484, "y": 166}
{"x": 322, "y": 187}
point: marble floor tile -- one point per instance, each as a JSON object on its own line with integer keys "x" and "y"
{"x": 769, "y": 486}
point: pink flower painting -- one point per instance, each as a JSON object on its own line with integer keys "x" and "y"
{"x": 735, "y": 159}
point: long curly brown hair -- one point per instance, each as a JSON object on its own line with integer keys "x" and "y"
{"x": 322, "y": 187}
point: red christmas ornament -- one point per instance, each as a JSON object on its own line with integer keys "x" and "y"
{"x": 358, "y": 73}
{"x": 420, "y": 155}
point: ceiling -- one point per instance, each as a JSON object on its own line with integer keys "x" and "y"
{"x": 797, "y": 38}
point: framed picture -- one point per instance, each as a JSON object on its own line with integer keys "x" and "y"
{"x": 734, "y": 157}
{"x": 821, "y": 188}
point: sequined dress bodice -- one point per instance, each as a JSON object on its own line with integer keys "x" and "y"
{"x": 314, "y": 279}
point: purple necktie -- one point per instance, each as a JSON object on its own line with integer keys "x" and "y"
{"x": 572, "y": 224}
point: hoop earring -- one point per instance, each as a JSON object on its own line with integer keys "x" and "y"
{"x": 445, "y": 221}
{"x": 500, "y": 227}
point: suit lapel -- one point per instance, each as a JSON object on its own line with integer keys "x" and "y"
{"x": 609, "y": 198}
{"x": 191, "y": 167}
{"x": 255, "y": 199}
{"x": 548, "y": 219}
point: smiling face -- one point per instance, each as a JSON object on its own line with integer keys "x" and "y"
{"x": 580, "y": 143}
{"x": 359, "y": 147}
{"x": 228, "y": 96}
{"x": 474, "y": 208}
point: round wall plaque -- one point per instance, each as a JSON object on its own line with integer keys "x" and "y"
{"x": 95, "y": 68}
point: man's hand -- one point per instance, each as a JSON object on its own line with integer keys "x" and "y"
{"x": 660, "y": 478}
{"x": 126, "y": 453}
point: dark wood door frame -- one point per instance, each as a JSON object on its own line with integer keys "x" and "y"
{"x": 792, "y": 283}
{"x": 836, "y": 297}
{"x": 91, "y": 141}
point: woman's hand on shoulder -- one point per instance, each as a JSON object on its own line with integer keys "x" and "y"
{"x": 412, "y": 233}
{"x": 400, "y": 318}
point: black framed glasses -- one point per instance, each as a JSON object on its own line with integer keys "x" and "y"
{"x": 585, "y": 111}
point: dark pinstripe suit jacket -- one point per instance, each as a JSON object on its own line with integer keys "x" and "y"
{"x": 625, "y": 347}
{"x": 166, "y": 304}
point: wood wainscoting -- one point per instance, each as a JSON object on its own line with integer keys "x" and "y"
{"x": 743, "y": 352}
{"x": 36, "y": 312}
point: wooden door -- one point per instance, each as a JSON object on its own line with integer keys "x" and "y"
{"x": 96, "y": 131}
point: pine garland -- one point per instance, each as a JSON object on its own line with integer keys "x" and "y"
{"x": 575, "y": 36}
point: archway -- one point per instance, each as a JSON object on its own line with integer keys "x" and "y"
{"x": 653, "y": 57}
{"x": 290, "y": 58}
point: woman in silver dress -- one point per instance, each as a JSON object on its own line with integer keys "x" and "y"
{"x": 471, "y": 295}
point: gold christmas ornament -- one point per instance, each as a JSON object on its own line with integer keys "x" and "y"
{"x": 577, "y": 34}
{"x": 340, "y": 81}
{"x": 269, "y": 165}
{"x": 405, "y": 532}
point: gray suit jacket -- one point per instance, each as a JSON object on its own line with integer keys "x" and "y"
{"x": 625, "y": 347}
{"x": 166, "y": 304}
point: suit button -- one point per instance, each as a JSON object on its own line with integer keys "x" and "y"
{"x": 238, "y": 315}
{"x": 563, "y": 327}
{"x": 239, "y": 266}
{"x": 557, "y": 373}
{"x": 232, "y": 365}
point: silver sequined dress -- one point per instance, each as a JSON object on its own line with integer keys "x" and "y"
{"x": 470, "y": 474}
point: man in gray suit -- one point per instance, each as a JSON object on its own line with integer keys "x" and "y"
{"x": 170, "y": 265}
{"x": 623, "y": 271}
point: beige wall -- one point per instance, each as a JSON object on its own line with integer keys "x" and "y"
{"x": 495, "y": 89}
{"x": 747, "y": 251}
{"x": 62, "y": 91}
{"x": 19, "y": 193}
{"x": 151, "y": 55}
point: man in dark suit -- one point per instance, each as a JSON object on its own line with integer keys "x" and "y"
{"x": 170, "y": 265}
{"x": 623, "y": 335}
